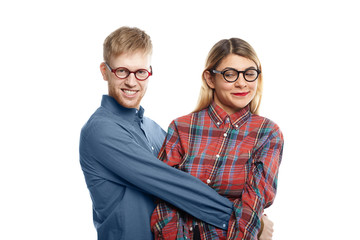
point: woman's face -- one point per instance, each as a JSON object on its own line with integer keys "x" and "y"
{"x": 235, "y": 95}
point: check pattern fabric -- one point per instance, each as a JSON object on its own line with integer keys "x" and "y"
{"x": 237, "y": 155}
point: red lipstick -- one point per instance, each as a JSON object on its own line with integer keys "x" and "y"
{"x": 242, "y": 94}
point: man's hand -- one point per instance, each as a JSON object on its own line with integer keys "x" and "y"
{"x": 268, "y": 228}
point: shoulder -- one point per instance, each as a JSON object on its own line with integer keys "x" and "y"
{"x": 266, "y": 127}
{"x": 101, "y": 123}
{"x": 189, "y": 118}
{"x": 182, "y": 123}
{"x": 263, "y": 122}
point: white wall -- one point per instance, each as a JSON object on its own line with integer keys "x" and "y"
{"x": 50, "y": 53}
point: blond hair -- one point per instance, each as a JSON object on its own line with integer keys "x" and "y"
{"x": 126, "y": 40}
{"x": 217, "y": 53}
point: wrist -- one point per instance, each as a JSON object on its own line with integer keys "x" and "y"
{"x": 261, "y": 228}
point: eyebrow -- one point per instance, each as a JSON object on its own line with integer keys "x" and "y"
{"x": 230, "y": 68}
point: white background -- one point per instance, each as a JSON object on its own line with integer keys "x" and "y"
{"x": 50, "y": 52}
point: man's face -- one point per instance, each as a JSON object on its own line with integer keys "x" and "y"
{"x": 129, "y": 91}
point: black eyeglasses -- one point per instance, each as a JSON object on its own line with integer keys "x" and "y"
{"x": 121, "y": 72}
{"x": 231, "y": 75}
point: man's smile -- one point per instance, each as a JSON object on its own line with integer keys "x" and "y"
{"x": 129, "y": 93}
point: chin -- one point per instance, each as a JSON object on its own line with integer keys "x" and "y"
{"x": 126, "y": 104}
{"x": 241, "y": 106}
{"x": 130, "y": 105}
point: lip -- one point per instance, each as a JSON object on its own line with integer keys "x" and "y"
{"x": 129, "y": 95}
{"x": 241, "y": 94}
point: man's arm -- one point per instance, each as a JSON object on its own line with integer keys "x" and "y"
{"x": 129, "y": 163}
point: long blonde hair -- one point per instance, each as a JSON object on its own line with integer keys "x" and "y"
{"x": 217, "y": 53}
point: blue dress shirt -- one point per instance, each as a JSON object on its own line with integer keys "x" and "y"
{"x": 118, "y": 149}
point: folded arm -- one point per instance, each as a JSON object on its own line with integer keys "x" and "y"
{"x": 260, "y": 188}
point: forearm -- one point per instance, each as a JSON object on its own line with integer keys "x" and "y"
{"x": 135, "y": 166}
{"x": 200, "y": 198}
{"x": 189, "y": 194}
{"x": 260, "y": 189}
{"x": 245, "y": 221}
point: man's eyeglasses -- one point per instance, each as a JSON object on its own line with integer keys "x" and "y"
{"x": 121, "y": 72}
{"x": 231, "y": 75}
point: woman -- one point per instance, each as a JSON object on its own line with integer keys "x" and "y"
{"x": 227, "y": 145}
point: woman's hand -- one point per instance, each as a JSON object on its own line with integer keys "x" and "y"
{"x": 268, "y": 228}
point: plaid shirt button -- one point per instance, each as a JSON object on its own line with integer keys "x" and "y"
{"x": 208, "y": 181}
{"x": 225, "y": 134}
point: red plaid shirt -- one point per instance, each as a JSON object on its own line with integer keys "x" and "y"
{"x": 237, "y": 155}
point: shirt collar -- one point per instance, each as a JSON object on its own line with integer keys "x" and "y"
{"x": 219, "y": 116}
{"x": 129, "y": 114}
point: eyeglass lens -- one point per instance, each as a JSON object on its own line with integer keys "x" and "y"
{"x": 232, "y": 75}
{"x": 141, "y": 74}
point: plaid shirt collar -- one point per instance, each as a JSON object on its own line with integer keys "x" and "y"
{"x": 219, "y": 116}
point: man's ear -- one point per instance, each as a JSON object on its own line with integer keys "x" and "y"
{"x": 209, "y": 79}
{"x": 103, "y": 71}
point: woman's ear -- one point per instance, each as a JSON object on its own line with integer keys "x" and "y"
{"x": 209, "y": 79}
{"x": 103, "y": 71}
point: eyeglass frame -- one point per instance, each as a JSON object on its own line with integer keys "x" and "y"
{"x": 238, "y": 74}
{"x": 130, "y": 72}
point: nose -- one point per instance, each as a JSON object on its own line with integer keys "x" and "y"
{"x": 241, "y": 82}
{"x": 131, "y": 81}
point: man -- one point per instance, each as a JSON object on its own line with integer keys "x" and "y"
{"x": 118, "y": 149}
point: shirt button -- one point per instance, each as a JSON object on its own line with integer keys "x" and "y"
{"x": 225, "y": 134}
{"x": 236, "y": 125}
{"x": 217, "y": 156}
{"x": 208, "y": 181}
{"x": 152, "y": 147}
{"x": 191, "y": 229}
{"x": 224, "y": 225}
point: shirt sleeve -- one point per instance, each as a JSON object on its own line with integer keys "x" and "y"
{"x": 127, "y": 162}
{"x": 260, "y": 188}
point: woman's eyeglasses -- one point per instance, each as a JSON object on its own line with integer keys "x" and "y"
{"x": 231, "y": 75}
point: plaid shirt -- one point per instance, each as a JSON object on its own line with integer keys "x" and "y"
{"x": 237, "y": 155}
